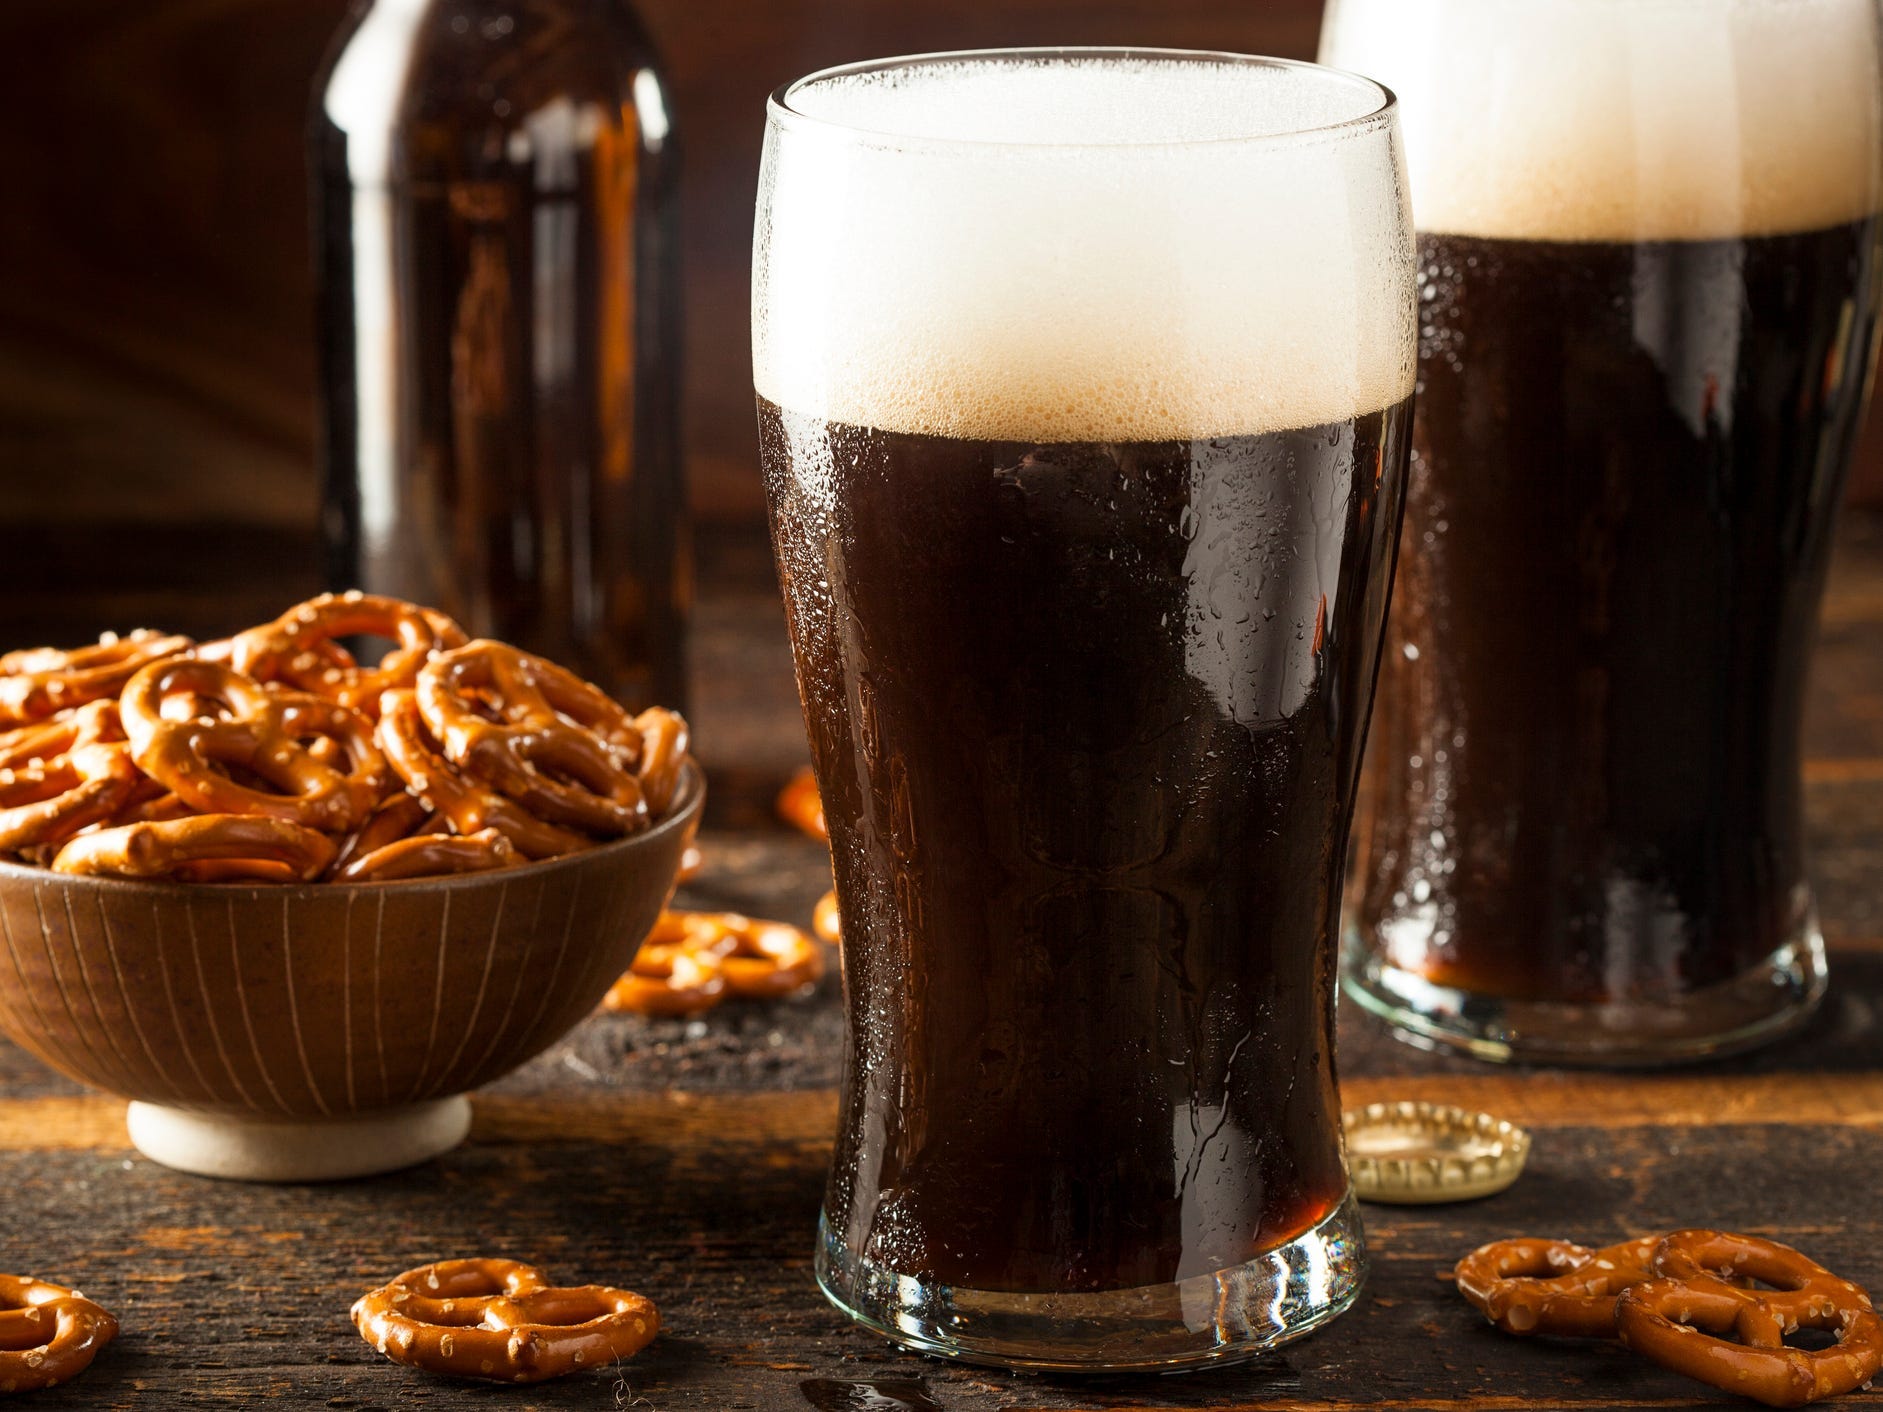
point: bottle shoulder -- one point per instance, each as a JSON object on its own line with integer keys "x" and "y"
{"x": 454, "y": 88}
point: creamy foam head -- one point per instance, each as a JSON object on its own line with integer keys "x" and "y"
{"x": 1626, "y": 119}
{"x": 1061, "y": 248}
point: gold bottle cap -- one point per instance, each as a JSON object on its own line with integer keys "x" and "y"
{"x": 1420, "y": 1154}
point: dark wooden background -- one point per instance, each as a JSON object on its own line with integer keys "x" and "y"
{"x": 156, "y": 367}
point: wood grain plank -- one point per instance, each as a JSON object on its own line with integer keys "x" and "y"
{"x": 1421, "y": 1404}
{"x": 238, "y": 1293}
{"x": 805, "y": 1119}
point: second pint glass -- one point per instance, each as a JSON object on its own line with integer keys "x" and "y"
{"x": 1084, "y": 380}
{"x": 1649, "y": 282}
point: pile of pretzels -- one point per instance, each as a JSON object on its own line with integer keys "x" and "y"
{"x": 1676, "y": 1298}
{"x": 276, "y": 756}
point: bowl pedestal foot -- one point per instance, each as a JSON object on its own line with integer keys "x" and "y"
{"x": 319, "y": 1150}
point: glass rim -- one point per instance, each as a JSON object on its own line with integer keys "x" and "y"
{"x": 780, "y": 113}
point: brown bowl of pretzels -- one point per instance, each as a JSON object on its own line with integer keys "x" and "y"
{"x": 294, "y": 901}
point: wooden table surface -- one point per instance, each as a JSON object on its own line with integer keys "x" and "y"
{"x": 686, "y": 1159}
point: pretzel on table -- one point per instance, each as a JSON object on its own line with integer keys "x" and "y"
{"x": 764, "y": 960}
{"x": 1679, "y": 1319}
{"x": 825, "y": 919}
{"x": 800, "y": 805}
{"x": 1531, "y": 1286}
{"x": 690, "y": 961}
{"x": 668, "y": 979}
{"x": 503, "y": 1321}
{"x": 48, "y": 1334}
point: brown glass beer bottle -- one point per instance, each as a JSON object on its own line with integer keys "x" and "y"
{"x": 494, "y": 207}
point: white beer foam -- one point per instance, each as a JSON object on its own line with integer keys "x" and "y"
{"x": 1126, "y": 249}
{"x": 1625, "y": 120}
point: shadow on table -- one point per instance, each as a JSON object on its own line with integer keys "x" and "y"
{"x": 1845, "y": 1036}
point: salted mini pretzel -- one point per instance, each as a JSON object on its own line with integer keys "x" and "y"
{"x": 462, "y": 799}
{"x": 1528, "y": 1286}
{"x": 538, "y": 734}
{"x": 825, "y": 919}
{"x": 38, "y": 681}
{"x": 48, "y": 1334}
{"x": 1680, "y": 1320}
{"x": 1799, "y": 1286}
{"x": 48, "y": 803}
{"x": 401, "y": 814}
{"x": 96, "y": 723}
{"x": 764, "y": 960}
{"x": 664, "y": 750}
{"x": 669, "y": 980}
{"x": 300, "y": 647}
{"x": 202, "y": 848}
{"x": 502, "y": 1321}
{"x": 260, "y": 731}
{"x": 38, "y": 742}
{"x": 800, "y": 806}
{"x": 151, "y": 803}
{"x": 430, "y": 856}
{"x": 690, "y": 961}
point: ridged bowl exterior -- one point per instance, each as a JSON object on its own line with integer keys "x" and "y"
{"x": 323, "y": 1000}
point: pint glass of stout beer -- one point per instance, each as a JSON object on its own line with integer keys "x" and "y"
{"x": 1648, "y": 248}
{"x": 1083, "y": 383}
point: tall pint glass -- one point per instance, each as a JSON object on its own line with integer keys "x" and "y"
{"x": 1648, "y": 247}
{"x": 1083, "y": 384}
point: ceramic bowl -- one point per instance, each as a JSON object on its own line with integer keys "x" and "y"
{"x": 307, "y": 1033}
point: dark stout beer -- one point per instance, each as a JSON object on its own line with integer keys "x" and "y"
{"x": 1584, "y": 776}
{"x": 1648, "y": 310}
{"x": 1083, "y": 718}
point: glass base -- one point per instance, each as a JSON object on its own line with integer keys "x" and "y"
{"x": 1764, "y": 1003}
{"x": 1225, "y": 1317}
